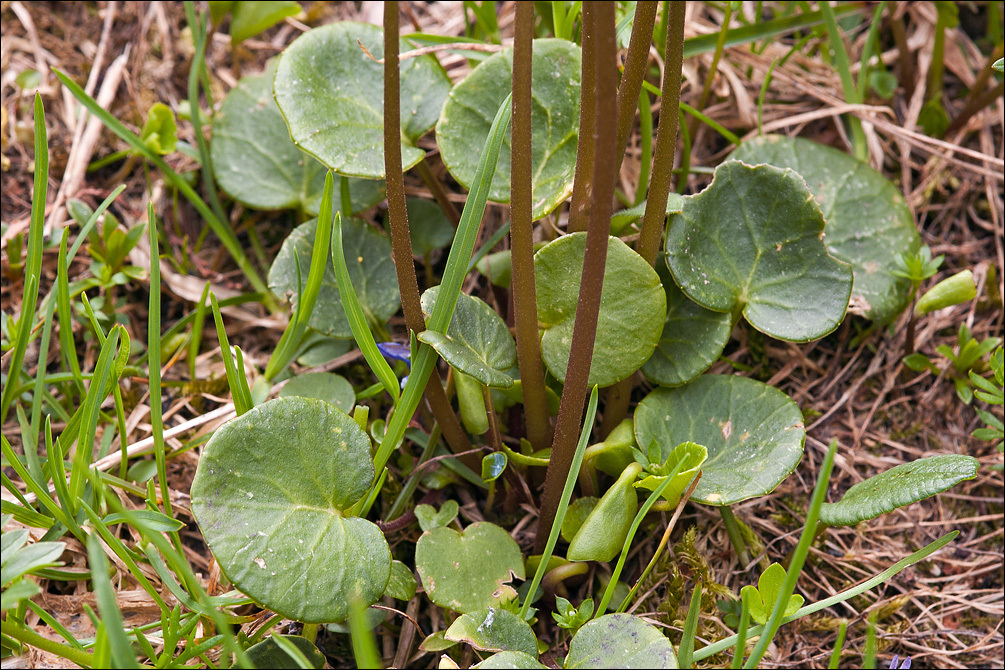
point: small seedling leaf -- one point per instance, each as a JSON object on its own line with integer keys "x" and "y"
{"x": 468, "y": 571}
{"x": 753, "y": 432}
{"x": 401, "y": 585}
{"x": 331, "y": 94}
{"x": 429, "y": 518}
{"x": 632, "y": 308}
{"x": 899, "y": 486}
{"x": 468, "y": 113}
{"x": 620, "y": 641}
{"x": 762, "y": 598}
{"x": 271, "y": 494}
{"x": 752, "y": 242}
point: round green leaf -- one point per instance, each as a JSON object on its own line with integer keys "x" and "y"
{"x": 256, "y": 162}
{"x": 326, "y": 386}
{"x": 478, "y": 342}
{"x": 331, "y": 94}
{"x": 428, "y": 225}
{"x": 368, "y": 256}
{"x": 472, "y": 104}
{"x": 868, "y": 222}
{"x": 752, "y": 242}
{"x": 270, "y": 496}
{"x": 268, "y": 654}
{"x": 753, "y": 432}
{"x": 468, "y": 571}
{"x": 620, "y": 641}
{"x": 693, "y": 338}
{"x": 632, "y": 308}
{"x": 897, "y": 487}
{"x": 493, "y": 630}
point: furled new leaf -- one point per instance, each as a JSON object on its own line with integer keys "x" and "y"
{"x": 899, "y": 486}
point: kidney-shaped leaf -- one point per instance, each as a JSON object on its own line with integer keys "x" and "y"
{"x": 868, "y": 222}
{"x": 332, "y": 95}
{"x": 632, "y": 308}
{"x": 752, "y": 242}
{"x": 368, "y": 256}
{"x": 493, "y": 630}
{"x": 692, "y": 339}
{"x": 478, "y": 342}
{"x": 471, "y": 106}
{"x": 753, "y": 432}
{"x": 899, "y": 486}
{"x": 468, "y": 571}
{"x": 620, "y": 641}
{"x": 256, "y": 162}
{"x": 270, "y": 495}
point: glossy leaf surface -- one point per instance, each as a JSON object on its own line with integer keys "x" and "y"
{"x": 632, "y": 308}
{"x": 331, "y": 94}
{"x": 468, "y": 112}
{"x": 753, "y": 432}
{"x": 270, "y": 495}
{"x": 752, "y": 242}
{"x": 478, "y": 342}
{"x": 868, "y": 222}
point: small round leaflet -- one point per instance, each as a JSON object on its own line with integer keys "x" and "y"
{"x": 753, "y": 432}
{"x": 271, "y": 495}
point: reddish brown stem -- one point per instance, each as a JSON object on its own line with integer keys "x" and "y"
{"x": 578, "y": 215}
{"x": 584, "y": 332}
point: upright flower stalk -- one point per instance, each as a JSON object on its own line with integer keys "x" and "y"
{"x": 401, "y": 241}
{"x": 528, "y": 344}
{"x": 598, "y": 17}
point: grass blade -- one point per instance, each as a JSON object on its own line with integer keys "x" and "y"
{"x": 239, "y": 391}
{"x": 121, "y": 649}
{"x": 154, "y": 359}
{"x": 33, "y": 264}
{"x": 354, "y": 312}
{"x": 563, "y": 503}
{"x": 686, "y": 650}
{"x": 220, "y": 228}
{"x": 294, "y": 332}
